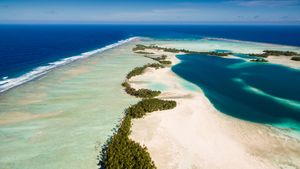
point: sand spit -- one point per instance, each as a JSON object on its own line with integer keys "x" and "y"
{"x": 195, "y": 135}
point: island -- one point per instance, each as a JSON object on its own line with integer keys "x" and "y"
{"x": 120, "y": 151}
{"x": 258, "y": 60}
{"x": 153, "y": 132}
{"x": 296, "y": 58}
{"x": 267, "y": 53}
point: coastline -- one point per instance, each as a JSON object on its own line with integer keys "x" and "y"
{"x": 77, "y": 100}
{"x": 196, "y": 135}
{"x": 285, "y": 61}
{"x": 68, "y": 113}
{"x": 9, "y": 83}
{"x": 237, "y": 47}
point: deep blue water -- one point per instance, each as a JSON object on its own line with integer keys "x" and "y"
{"x": 25, "y": 47}
{"x": 226, "y": 86}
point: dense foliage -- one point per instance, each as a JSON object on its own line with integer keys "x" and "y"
{"x": 174, "y": 50}
{"x": 139, "y": 70}
{"x": 139, "y": 47}
{"x": 165, "y": 62}
{"x": 121, "y": 152}
{"x": 146, "y": 53}
{"x": 161, "y": 59}
{"x": 295, "y": 58}
{"x": 267, "y": 53}
{"x": 142, "y": 93}
{"x": 264, "y": 55}
{"x": 149, "y": 105}
{"x": 258, "y": 60}
{"x": 280, "y": 53}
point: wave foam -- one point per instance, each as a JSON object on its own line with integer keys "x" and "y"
{"x": 8, "y": 83}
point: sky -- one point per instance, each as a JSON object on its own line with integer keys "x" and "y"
{"x": 151, "y": 11}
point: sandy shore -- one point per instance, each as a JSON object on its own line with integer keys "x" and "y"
{"x": 284, "y": 60}
{"x": 195, "y": 135}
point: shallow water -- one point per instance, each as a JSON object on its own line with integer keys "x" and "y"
{"x": 59, "y": 120}
{"x": 157, "y": 86}
{"x": 205, "y": 45}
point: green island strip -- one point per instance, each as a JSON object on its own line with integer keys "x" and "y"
{"x": 296, "y": 58}
{"x": 267, "y": 53}
{"x": 140, "y": 47}
{"x": 142, "y": 52}
{"x": 139, "y": 70}
{"x": 142, "y": 93}
{"x": 149, "y": 105}
{"x": 161, "y": 59}
{"x": 258, "y": 60}
{"x": 120, "y": 151}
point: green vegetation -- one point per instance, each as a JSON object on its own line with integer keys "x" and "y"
{"x": 267, "y": 53}
{"x": 215, "y": 53}
{"x": 146, "y": 53}
{"x": 295, "y": 58}
{"x": 121, "y": 152}
{"x": 258, "y": 60}
{"x": 136, "y": 71}
{"x": 139, "y": 70}
{"x": 149, "y": 105}
{"x": 174, "y": 50}
{"x": 280, "y": 53}
{"x": 139, "y": 47}
{"x": 264, "y": 55}
{"x": 142, "y": 93}
{"x": 165, "y": 62}
{"x": 161, "y": 59}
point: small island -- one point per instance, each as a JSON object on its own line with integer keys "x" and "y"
{"x": 258, "y": 60}
{"x": 267, "y": 53}
{"x": 139, "y": 48}
{"x": 296, "y": 58}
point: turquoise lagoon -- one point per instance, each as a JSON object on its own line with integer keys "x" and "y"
{"x": 258, "y": 92}
{"x": 62, "y": 119}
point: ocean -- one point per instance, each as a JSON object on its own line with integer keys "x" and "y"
{"x": 69, "y": 96}
{"x": 28, "y": 51}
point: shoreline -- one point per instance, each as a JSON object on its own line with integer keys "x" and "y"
{"x": 9, "y": 83}
{"x": 80, "y": 82}
{"x": 277, "y": 60}
{"x": 75, "y": 98}
{"x": 39, "y": 71}
{"x": 196, "y": 135}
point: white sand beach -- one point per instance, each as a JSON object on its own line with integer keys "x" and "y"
{"x": 36, "y": 116}
{"x": 196, "y": 135}
{"x": 284, "y": 60}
